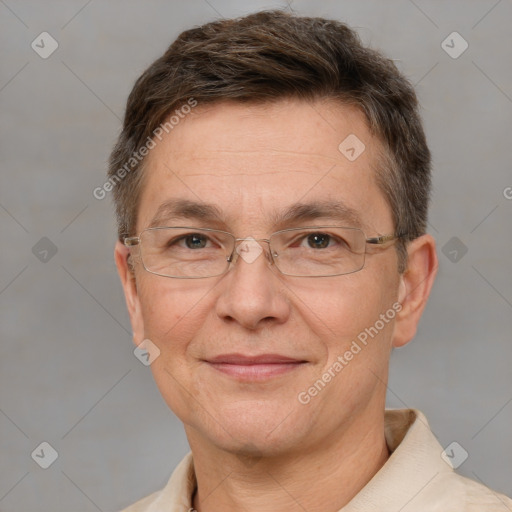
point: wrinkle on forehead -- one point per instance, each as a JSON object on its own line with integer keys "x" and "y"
{"x": 259, "y": 152}
{"x": 240, "y": 173}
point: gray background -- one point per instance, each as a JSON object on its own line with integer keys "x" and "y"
{"x": 68, "y": 373}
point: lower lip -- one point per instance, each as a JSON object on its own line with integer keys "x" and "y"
{"x": 255, "y": 372}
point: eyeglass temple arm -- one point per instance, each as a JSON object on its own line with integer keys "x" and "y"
{"x": 379, "y": 240}
{"x": 131, "y": 241}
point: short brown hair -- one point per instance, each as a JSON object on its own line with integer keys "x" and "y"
{"x": 272, "y": 55}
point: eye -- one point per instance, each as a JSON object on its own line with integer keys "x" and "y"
{"x": 195, "y": 241}
{"x": 315, "y": 240}
{"x": 189, "y": 241}
{"x": 318, "y": 240}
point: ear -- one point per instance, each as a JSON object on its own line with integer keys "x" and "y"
{"x": 416, "y": 283}
{"x": 126, "y": 273}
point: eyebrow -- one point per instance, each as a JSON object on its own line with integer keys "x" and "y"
{"x": 335, "y": 210}
{"x": 185, "y": 209}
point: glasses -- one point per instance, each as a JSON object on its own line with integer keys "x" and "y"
{"x": 194, "y": 253}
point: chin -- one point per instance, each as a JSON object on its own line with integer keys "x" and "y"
{"x": 254, "y": 429}
{"x": 255, "y": 444}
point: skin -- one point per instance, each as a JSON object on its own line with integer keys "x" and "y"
{"x": 254, "y": 444}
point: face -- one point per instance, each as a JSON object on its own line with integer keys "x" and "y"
{"x": 253, "y": 164}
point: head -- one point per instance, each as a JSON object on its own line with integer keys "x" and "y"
{"x": 243, "y": 124}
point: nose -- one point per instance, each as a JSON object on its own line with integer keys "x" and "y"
{"x": 252, "y": 292}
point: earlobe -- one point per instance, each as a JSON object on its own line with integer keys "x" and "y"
{"x": 414, "y": 288}
{"x": 127, "y": 276}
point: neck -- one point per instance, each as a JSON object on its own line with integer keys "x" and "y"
{"x": 320, "y": 478}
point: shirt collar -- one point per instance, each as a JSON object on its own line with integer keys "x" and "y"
{"x": 411, "y": 475}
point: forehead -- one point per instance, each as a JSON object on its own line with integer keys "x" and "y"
{"x": 255, "y": 163}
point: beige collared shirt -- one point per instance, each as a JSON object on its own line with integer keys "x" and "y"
{"x": 415, "y": 478}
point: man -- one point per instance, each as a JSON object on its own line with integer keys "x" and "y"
{"x": 271, "y": 185}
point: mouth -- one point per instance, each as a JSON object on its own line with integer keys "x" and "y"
{"x": 254, "y": 368}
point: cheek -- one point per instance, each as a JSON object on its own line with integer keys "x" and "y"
{"x": 369, "y": 345}
{"x": 173, "y": 311}
{"x": 349, "y": 309}
{"x": 337, "y": 308}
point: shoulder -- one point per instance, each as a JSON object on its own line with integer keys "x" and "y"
{"x": 176, "y": 495}
{"x": 423, "y": 479}
{"x": 479, "y": 498}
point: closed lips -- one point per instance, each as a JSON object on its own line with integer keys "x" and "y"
{"x": 239, "y": 359}
{"x": 254, "y": 368}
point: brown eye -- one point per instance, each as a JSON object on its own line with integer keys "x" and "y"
{"x": 195, "y": 241}
{"x": 318, "y": 240}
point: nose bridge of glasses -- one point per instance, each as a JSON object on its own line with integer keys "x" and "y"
{"x": 251, "y": 239}
{"x": 249, "y": 249}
